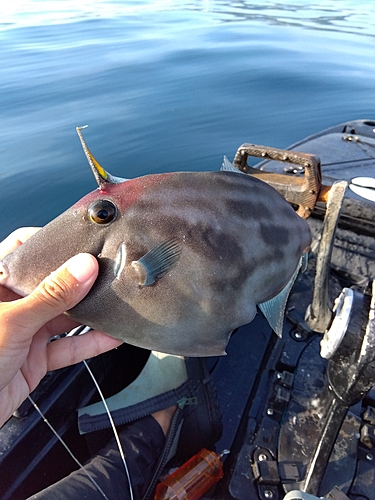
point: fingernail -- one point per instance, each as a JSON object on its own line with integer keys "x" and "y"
{"x": 81, "y": 267}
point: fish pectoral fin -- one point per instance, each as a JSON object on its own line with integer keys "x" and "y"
{"x": 157, "y": 262}
{"x": 274, "y": 309}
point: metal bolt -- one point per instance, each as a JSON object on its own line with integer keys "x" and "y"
{"x": 262, "y": 457}
{"x": 269, "y": 411}
{"x": 369, "y": 457}
{"x": 268, "y": 494}
{"x": 298, "y": 335}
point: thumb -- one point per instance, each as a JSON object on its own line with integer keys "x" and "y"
{"x": 59, "y": 291}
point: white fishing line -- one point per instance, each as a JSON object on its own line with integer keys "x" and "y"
{"x": 80, "y": 330}
{"x": 81, "y": 466}
{"x": 114, "y": 430}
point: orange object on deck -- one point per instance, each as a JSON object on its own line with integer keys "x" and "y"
{"x": 192, "y": 479}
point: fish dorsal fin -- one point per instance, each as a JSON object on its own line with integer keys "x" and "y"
{"x": 274, "y": 309}
{"x": 157, "y": 262}
{"x": 102, "y": 177}
{"x": 227, "y": 166}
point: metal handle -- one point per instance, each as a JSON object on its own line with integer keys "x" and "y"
{"x": 301, "y": 191}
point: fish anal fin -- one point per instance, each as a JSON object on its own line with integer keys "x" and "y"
{"x": 274, "y": 309}
{"x": 157, "y": 262}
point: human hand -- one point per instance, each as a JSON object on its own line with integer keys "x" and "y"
{"x": 27, "y": 324}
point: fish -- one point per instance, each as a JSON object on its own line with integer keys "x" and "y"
{"x": 184, "y": 258}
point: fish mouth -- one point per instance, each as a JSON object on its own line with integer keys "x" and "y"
{"x": 4, "y": 274}
{"x": 120, "y": 260}
{"x": 5, "y": 280}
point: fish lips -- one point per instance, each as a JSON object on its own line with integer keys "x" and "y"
{"x": 6, "y": 280}
{"x": 6, "y": 275}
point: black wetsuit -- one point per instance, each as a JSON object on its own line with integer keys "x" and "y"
{"x": 142, "y": 442}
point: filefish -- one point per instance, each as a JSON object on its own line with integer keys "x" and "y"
{"x": 184, "y": 257}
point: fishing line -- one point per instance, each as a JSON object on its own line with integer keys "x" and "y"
{"x": 117, "y": 437}
{"x": 81, "y": 330}
{"x": 75, "y": 332}
{"x": 81, "y": 466}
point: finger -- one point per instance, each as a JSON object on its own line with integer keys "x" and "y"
{"x": 60, "y": 291}
{"x": 15, "y": 239}
{"x": 61, "y": 324}
{"x": 72, "y": 350}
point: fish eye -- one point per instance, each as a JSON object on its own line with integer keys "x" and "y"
{"x": 102, "y": 211}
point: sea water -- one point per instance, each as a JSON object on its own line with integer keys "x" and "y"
{"x": 167, "y": 85}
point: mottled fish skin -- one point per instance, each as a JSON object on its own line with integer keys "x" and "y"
{"x": 240, "y": 244}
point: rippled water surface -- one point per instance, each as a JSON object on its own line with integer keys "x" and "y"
{"x": 167, "y": 85}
